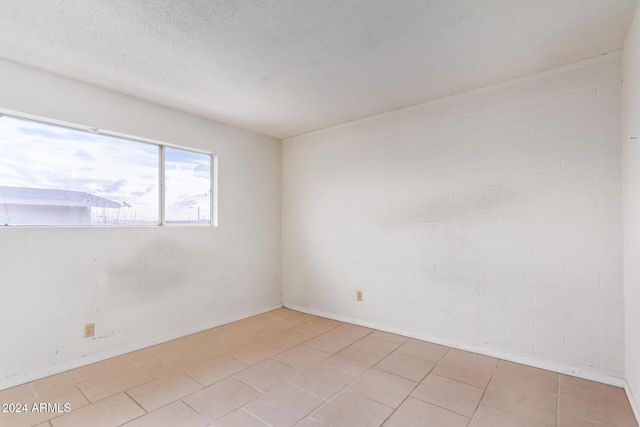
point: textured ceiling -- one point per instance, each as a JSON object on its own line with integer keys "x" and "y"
{"x": 284, "y": 68}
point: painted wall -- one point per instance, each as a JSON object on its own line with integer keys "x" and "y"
{"x": 139, "y": 285}
{"x": 631, "y": 178}
{"x": 490, "y": 220}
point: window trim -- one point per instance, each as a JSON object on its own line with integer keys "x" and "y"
{"x": 213, "y": 164}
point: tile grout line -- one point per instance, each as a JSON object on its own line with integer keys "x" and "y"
{"x": 242, "y": 408}
{"x": 75, "y": 387}
{"x": 346, "y": 386}
{"x": 126, "y": 392}
{"x": 515, "y": 413}
{"x": 493, "y": 372}
{"x": 195, "y": 410}
{"x": 292, "y": 385}
{"x": 416, "y": 386}
{"x": 231, "y": 356}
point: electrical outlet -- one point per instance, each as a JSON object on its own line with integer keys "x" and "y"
{"x": 359, "y": 296}
{"x": 89, "y": 330}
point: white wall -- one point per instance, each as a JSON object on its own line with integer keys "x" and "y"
{"x": 631, "y": 178}
{"x": 139, "y": 285}
{"x": 490, "y": 220}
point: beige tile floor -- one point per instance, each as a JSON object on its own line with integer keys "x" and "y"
{"x": 286, "y": 368}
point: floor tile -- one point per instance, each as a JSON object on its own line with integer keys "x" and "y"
{"x": 449, "y": 394}
{"x": 312, "y": 328}
{"x": 328, "y": 321}
{"x": 254, "y": 353}
{"x": 517, "y": 373}
{"x": 267, "y": 334}
{"x": 177, "y": 414}
{"x": 525, "y": 391}
{"x": 214, "y": 370}
{"x": 112, "y": 411}
{"x": 219, "y": 399}
{"x": 27, "y": 417}
{"x": 160, "y": 392}
{"x": 283, "y": 406}
{"x": 329, "y": 343}
{"x": 167, "y": 348}
{"x": 57, "y": 390}
{"x": 266, "y": 375}
{"x": 309, "y": 371}
{"x": 568, "y": 420}
{"x": 308, "y": 422}
{"x": 239, "y": 418}
{"x": 416, "y": 413}
{"x": 423, "y": 350}
{"x": 170, "y": 364}
{"x": 323, "y": 381}
{"x": 209, "y": 347}
{"x": 388, "y": 336}
{"x": 287, "y": 340}
{"x": 600, "y": 389}
{"x": 301, "y": 357}
{"x": 125, "y": 361}
{"x": 17, "y": 394}
{"x": 405, "y": 366}
{"x": 108, "y": 384}
{"x": 351, "y": 361}
{"x": 53, "y": 384}
{"x": 486, "y": 416}
{"x": 383, "y": 387}
{"x": 374, "y": 346}
{"x": 352, "y": 332}
{"x": 20, "y": 394}
{"x": 350, "y": 409}
{"x": 466, "y": 367}
{"x": 595, "y": 406}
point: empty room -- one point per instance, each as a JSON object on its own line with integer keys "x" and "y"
{"x": 307, "y": 213}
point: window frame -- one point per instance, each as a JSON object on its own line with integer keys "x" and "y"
{"x": 213, "y": 173}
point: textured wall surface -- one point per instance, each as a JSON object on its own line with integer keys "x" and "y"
{"x": 490, "y": 220}
{"x": 138, "y": 285}
{"x": 631, "y": 177}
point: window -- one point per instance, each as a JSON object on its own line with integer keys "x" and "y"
{"x": 56, "y": 175}
{"x": 187, "y": 178}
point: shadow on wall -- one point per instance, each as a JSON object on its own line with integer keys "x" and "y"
{"x": 163, "y": 265}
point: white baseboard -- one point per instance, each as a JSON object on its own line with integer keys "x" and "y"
{"x": 32, "y": 376}
{"x": 475, "y": 348}
{"x": 632, "y": 401}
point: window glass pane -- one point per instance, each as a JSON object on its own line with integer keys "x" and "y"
{"x": 187, "y": 187}
{"x": 51, "y": 175}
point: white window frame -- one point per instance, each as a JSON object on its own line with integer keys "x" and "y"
{"x": 161, "y": 172}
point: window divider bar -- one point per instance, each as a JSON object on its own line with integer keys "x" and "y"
{"x": 161, "y": 193}
{"x": 214, "y": 189}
